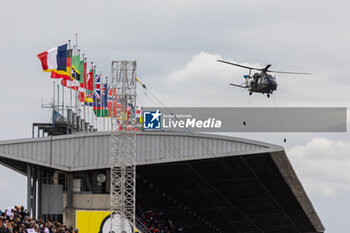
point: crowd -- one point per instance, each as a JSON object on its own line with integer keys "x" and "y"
{"x": 156, "y": 222}
{"x": 17, "y": 220}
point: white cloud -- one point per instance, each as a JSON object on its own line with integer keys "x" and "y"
{"x": 323, "y": 165}
{"x": 205, "y": 82}
{"x": 202, "y": 81}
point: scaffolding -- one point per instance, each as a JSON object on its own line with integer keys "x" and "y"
{"x": 122, "y": 95}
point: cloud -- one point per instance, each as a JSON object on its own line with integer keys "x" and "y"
{"x": 323, "y": 165}
{"x": 202, "y": 81}
{"x": 205, "y": 82}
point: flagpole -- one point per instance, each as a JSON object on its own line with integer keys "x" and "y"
{"x": 101, "y": 99}
{"x": 93, "y": 112}
{"x": 77, "y": 90}
{"x": 53, "y": 101}
{"x": 58, "y": 98}
{"x": 95, "y": 116}
{"x": 69, "y": 48}
{"x": 76, "y": 39}
{"x": 77, "y": 103}
{"x": 106, "y": 104}
{"x": 90, "y": 116}
{"x": 70, "y": 91}
{"x": 93, "y": 92}
{"x": 94, "y": 87}
{"x": 94, "y": 102}
{"x": 84, "y": 88}
{"x": 62, "y": 101}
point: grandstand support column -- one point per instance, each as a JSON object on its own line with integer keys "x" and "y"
{"x": 34, "y": 191}
{"x": 70, "y": 190}
{"x": 29, "y": 188}
{"x": 123, "y": 146}
{"x": 40, "y": 181}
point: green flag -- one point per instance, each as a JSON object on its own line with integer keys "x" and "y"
{"x": 102, "y": 112}
{"x": 81, "y": 69}
{"x": 76, "y": 67}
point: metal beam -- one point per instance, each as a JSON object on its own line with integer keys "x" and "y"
{"x": 34, "y": 191}
{"x": 69, "y": 190}
{"x": 40, "y": 181}
{"x": 123, "y": 145}
{"x": 29, "y": 188}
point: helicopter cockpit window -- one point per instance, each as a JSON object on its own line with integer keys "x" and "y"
{"x": 265, "y": 79}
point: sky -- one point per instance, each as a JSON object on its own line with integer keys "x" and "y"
{"x": 176, "y": 45}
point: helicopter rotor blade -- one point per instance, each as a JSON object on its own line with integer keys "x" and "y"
{"x": 238, "y": 85}
{"x": 286, "y": 72}
{"x": 234, "y": 64}
{"x": 266, "y": 68}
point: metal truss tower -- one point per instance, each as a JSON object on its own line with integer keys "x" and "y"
{"x": 123, "y": 145}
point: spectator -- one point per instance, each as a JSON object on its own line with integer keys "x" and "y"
{"x": 9, "y": 212}
{"x": 155, "y": 222}
{"x": 16, "y": 220}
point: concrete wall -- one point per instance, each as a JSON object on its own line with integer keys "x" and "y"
{"x": 84, "y": 201}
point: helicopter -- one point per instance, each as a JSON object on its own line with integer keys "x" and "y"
{"x": 260, "y": 82}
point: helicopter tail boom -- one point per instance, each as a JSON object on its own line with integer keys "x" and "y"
{"x": 238, "y": 85}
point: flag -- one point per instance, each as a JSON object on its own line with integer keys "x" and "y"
{"x": 93, "y": 75}
{"x": 104, "y": 96}
{"x": 54, "y": 59}
{"x": 101, "y": 112}
{"x": 89, "y": 100}
{"x": 112, "y": 93}
{"x": 85, "y": 74}
{"x": 76, "y": 67}
{"x": 98, "y": 86}
{"x": 72, "y": 84}
{"x": 82, "y": 71}
{"x": 64, "y": 74}
{"x": 89, "y": 83}
{"x": 81, "y": 95}
{"x": 55, "y": 74}
{"x": 101, "y": 106}
{"x": 101, "y": 103}
{"x": 115, "y": 105}
{"x": 69, "y": 61}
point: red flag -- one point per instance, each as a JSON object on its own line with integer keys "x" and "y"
{"x": 89, "y": 84}
{"x": 81, "y": 95}
{"x": 56, "y": 75}
{"x": 73, "y": 84}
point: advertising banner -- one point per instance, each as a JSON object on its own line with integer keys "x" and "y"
{"x": 89, "y": 221}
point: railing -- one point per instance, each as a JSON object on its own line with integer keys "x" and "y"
{"x": 141, "y": 227}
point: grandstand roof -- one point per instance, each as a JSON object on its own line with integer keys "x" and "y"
{"x": 92, "y": 150}
{"x": 205, "y": 182}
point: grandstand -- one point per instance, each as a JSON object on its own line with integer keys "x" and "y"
{"x": 203, "y": 182}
